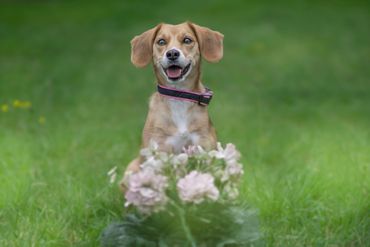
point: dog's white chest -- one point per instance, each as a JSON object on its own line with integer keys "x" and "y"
{"x": 180, "y": 117}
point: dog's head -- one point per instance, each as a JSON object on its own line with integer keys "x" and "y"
{"x": 176, "y": 50}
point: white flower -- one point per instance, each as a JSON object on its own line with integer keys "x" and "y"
{"x": 149, "y": 151}
{"x": 112, "y": 174}
{"x": 163, "y": 156}
{"x": 153, "y": 164}
{"x": 178, "y": 163}
{"x": 231, "y": 191}
{"x": 180, "y": 159}
{"x": 229, "y": 154}
{"x": 196, "y": 187}
{"x": 146, "y": 191}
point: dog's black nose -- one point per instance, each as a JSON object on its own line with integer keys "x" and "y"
{"x": 172, "y": 54}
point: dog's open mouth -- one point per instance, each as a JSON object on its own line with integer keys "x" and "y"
{"x": 175, "y": 72}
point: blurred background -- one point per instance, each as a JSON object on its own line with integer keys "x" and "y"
{"x": 292, "y": 92}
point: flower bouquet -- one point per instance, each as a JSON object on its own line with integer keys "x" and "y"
{"x": 186, "y": 199}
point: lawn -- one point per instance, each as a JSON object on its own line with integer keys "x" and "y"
{"x": 292, "y": 92}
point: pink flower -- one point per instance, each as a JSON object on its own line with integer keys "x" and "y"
{"x": 233, "y": 170}
{"x": 196, "y": 187}
{"x": 146, "y": 191}
{"x": 192, "y": 151}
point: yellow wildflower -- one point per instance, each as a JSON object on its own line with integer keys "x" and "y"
{"x": 4, "y": 108}
{"x": 26, "y": 104}
{"x": 16, "y": 103}
{"x": 42, "y": 120}
{"x": 22, "y": 104}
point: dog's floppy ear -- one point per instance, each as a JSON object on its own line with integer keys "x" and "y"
{"x": 210, "y": 42}
{"x": 142, "y": 47}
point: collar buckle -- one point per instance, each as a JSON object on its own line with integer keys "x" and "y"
{"x": 204, "y": 100}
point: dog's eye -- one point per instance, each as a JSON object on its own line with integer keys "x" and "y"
{"x": 187, "y": 40}
{"x": 161, "y": 42}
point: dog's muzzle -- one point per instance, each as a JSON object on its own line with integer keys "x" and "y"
{"x": 174, "y": 65}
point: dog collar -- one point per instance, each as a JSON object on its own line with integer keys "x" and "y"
{"x": 202, "y": 99}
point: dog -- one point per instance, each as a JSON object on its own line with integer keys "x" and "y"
{"x": 178, "y": 115}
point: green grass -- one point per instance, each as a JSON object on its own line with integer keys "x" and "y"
{"x": 292, "y": 92}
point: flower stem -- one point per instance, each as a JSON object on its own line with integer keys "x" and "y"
{"x": 185, "y": 227}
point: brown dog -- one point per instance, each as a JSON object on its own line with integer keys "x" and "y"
{"x": 173, "y": 120}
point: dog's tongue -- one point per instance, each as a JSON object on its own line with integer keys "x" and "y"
{"x": 174, "y": 72}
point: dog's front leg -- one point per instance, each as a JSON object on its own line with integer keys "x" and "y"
{"x": 134, "y": 166}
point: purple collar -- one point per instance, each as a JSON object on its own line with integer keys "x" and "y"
{"x": 202, "y": 99}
